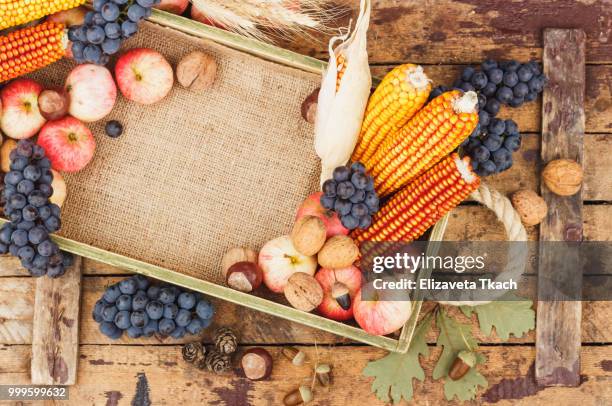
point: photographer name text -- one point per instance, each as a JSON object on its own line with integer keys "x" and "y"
{"x": 433, "y": 284}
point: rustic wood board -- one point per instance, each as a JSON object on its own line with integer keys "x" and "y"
{"x": 55, "y": 341}
{"x": 109, "y": 375}
{"x": 16, "y": 310}
{"x": 469, "y": 31}
{"x": 558, "y": 321}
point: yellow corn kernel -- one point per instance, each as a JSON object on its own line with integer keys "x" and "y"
{"x": 402, "y": 93}
{"x": 31, "y": 48}
{"x": 418, "y": 206}
{"x": 341, "y": 66}
{"x": 17, "y": 12}
{"x": 430, "y": 135}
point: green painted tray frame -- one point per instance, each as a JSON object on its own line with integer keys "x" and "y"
{"x": 295, "y": 60}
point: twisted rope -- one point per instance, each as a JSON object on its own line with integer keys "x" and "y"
{"x": 517, "y": 253}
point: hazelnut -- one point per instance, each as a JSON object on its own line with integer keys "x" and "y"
{"x": 531, "y": 208}
{"x": 256, "y": 364}
{"x": 309, "y": 106}
{"x": 197, "y": 71}
{"x": 244, "y": 276}
{"x": 303, "y": 292}
{"x": 53, "y": 103}
{"x": 236, "y": 255}
{"x": 563, "y": 177}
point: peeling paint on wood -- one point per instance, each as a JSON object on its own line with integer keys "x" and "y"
{"x": 563, "y": 126}
{"x": 141, "y": 396}
{"x": 236, "y": 393}
{"x": 113, "y": 398}
{"x": 55, "y": 341}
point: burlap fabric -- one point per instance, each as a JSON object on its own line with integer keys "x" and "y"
{"x": 196, "y": 174}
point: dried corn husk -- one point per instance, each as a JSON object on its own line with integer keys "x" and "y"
{"x": 345, "y": 90}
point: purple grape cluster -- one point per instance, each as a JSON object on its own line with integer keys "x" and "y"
{"x": 110, "y": 22}
{"x": 351, "y": 194}
{"x": 491, "y": 151}
{"x": 141, "y": 308}
{"x": 509, "y": 83}
{"x": 32, "y": 218}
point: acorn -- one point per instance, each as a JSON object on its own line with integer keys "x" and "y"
{"x": 340, "y": 293}
{"x": 323, "y": 374}
{"x": 465, "y": 361}
{"x": 256, "y": 364}
{"x": 294, "y": 355}
{"x": 303, "y": 394}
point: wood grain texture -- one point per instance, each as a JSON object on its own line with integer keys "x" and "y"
{"x": 558, "y": 321}
{"x": 16, "y": 310}
{"x": 468, "y": 31}
{"x": 55, "y": 341}
{"x": 110, "y": 373}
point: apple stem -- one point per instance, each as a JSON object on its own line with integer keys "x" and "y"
{"x": 291, "y": 258}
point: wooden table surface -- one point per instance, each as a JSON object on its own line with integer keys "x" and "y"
{"x": 442, "y": 35}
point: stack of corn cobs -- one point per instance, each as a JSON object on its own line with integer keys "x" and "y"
{"x": 406, "y": 145}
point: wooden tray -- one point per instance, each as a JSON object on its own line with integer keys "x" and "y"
{"x": 110, "y": 256}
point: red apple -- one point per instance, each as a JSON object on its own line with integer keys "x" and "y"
{"x": 144, "y": 75}
{"x": 198, "y": 15}
{"x": 279, "y": 260}
{"x": 381, "y": 313}
{"x": 312, "y": 206}
{"x": 73, "y": 16}
{"x": 68, "y": 144}
{"x": 330, "y": 279}
{"x": 92, "y": 92}
{"x": 173, "y": 6}
{"x": 21, "y": 117}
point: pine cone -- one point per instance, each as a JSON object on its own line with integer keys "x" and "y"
{"x": 192, "y": 352}
{"x": 226, "y": 341}
{"x": 217, "y": 362}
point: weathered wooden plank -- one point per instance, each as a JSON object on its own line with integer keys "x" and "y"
{"x": 55, "y": 341}
{"x": 558, "y": 321}
{"x": 447, "y": 31}
{"x": 110, "y": 375}
{"x": 16, "y": 310}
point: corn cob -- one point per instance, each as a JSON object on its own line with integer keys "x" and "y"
{"x": 431, "y": 134}
{"x": 17, "y": 12}
{"x": 408, "y": 214}
{"x": 341, "y": 62}
{"x": 402, "y": 93}
{"x": 31, "y": 48}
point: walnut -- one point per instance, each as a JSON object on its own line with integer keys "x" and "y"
{"x": 303, "y": 292}
{"x": 563, "y": 177}
{"x": 197, "y": 71}
{"x": 531, "y": 208}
